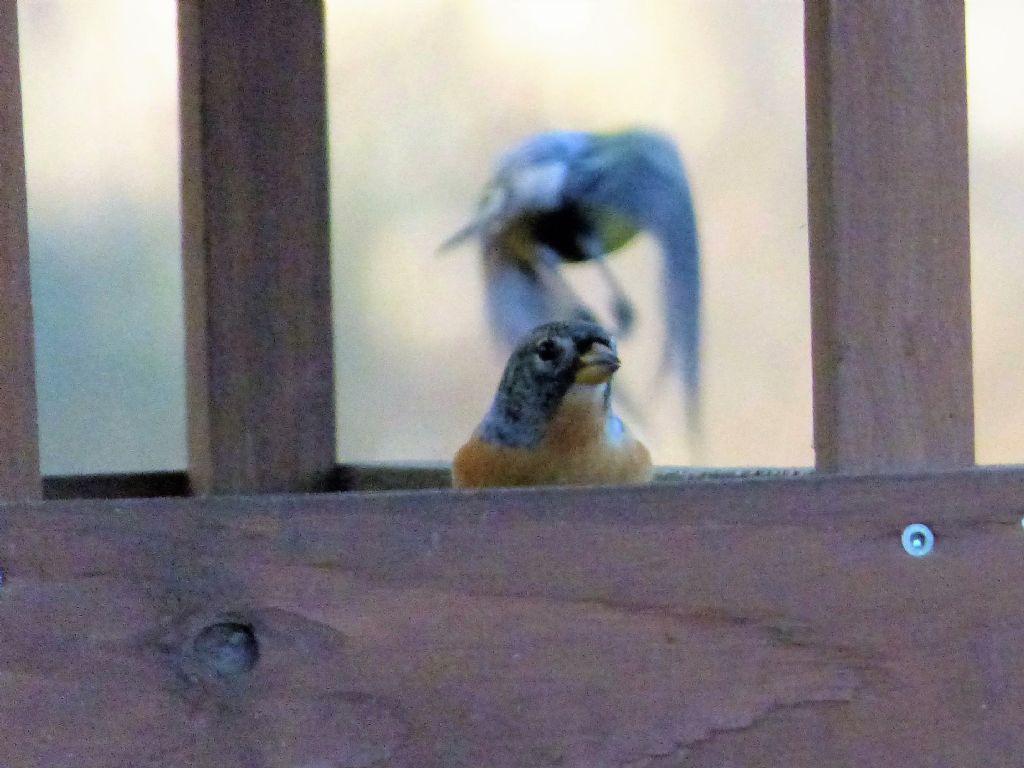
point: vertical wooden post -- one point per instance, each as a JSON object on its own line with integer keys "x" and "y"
{"x": 19, "y": 440}
{"x": 255, "y": 242}
{"x": 888, "y": 210}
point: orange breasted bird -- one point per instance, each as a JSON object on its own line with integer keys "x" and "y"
{"x": 564, "y": 197}
{"x": 551, "y": 420}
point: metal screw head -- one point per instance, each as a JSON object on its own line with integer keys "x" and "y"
{"x": 918, "y": 540}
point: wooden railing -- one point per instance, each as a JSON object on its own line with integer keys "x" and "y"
{"x": 748, "y": 621}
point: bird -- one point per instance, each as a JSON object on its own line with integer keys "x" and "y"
{"x": 551, "y": 421}
{"x": 564, "y": 197}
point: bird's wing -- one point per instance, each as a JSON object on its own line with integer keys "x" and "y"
{"x": 638, "y": 176}
{"x": 523, "y": 280}
{"x": 528, "y": 179}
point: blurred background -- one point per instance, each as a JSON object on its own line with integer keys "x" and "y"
{"x": 423, "y": 95}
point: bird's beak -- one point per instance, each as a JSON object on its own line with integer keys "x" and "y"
{"x": 597, "y": 364}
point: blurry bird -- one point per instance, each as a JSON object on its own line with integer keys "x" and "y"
{"x": 565, "y": 197}
{"x": 551, "y": 420}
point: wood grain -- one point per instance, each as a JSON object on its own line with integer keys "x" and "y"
{"x": 255, "y": 241}
{"x": 19, "y": 438}
{"x": 889, "y": 235}
{"x": 772, "y": 622}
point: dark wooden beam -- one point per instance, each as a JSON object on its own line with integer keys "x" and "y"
{"x": 345, "y": 477}
{"x": 889, "y": 237}
{"x": 256, "y": 250}
{"x": 746, "y": 622}
{"x": 143, "y": 485}
{"x": 19, "y": 436}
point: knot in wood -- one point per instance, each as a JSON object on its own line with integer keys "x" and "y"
{"x": 228, "y": 648}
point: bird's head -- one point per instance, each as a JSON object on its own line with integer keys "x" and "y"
{"x": 560, "y": 354}
{"x": 554, "y": 361}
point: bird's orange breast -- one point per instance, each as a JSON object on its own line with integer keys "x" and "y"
{"x": 576, "y": 450}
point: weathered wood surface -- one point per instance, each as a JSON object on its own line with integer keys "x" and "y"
{"x": 736, "y": 623}
{"x": 255, "y": 242}
{"x": 19, "y": 440}
{"x": 889, "y": 236}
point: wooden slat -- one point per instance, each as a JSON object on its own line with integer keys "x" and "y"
{"x": 739, "y": 623}
{"x": 888, "y": 205}
{"x": 19, "y": 440}
{"x": 345, "y": 477}
{"x": 255, "y": 241}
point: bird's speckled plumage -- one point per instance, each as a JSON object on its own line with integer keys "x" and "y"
{"x": 551, "y": 420}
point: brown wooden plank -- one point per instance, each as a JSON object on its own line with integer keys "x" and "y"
{"x": 419, "y": 476}
{"x": 742, "y": 623}
{"x": 888, "y": 210}
{"x": 19, "y": 438}
{"x": 346, "y": 477}
{"x": 255, "y": 242}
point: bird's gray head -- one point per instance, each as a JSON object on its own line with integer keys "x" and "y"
{"x": 549, "y": 362}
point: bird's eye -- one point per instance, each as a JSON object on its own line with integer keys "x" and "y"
{"x": 547, "y": 350}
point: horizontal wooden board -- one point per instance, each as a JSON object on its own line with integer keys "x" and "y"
{"x": 344, "y": 477}
{"x": 773, "y": 622}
